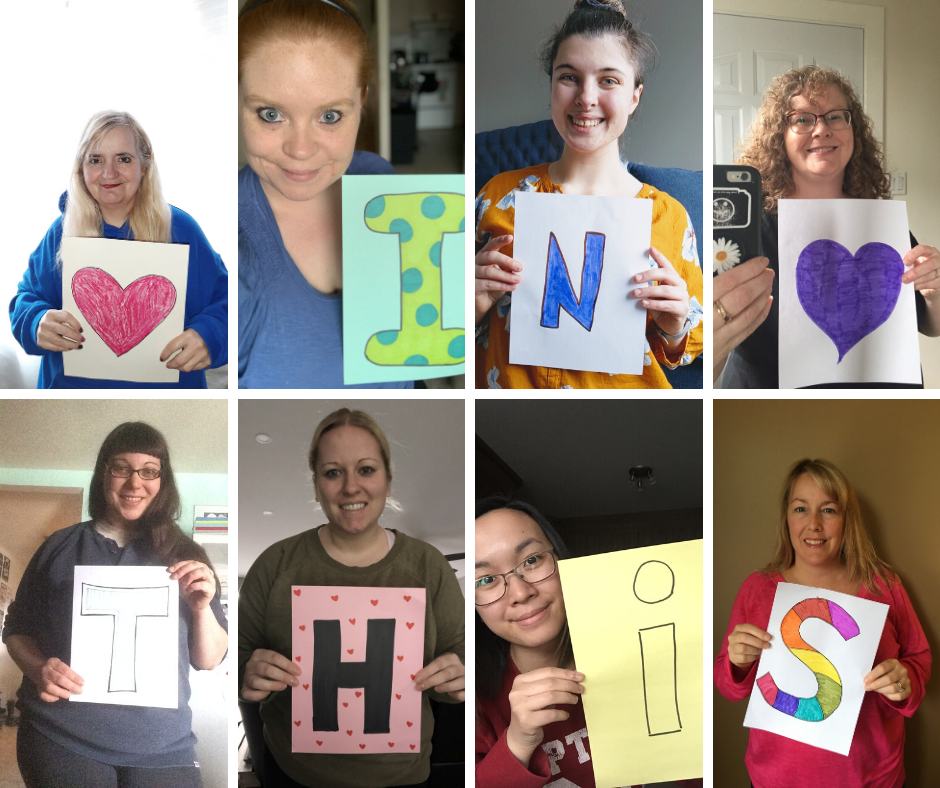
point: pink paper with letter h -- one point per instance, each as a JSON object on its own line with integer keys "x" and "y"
{"x": 359, "y": 649}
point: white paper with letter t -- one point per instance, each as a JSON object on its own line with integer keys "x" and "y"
{"x": 571, "y": 310}
{"x": 845, "y": 316}
{"x": 125, "y": 635}
{"x": 130, "y": 299}
{"x": 809, "y": 684}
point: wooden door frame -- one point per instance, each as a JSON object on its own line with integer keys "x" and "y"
{"x": 870, "y": 19}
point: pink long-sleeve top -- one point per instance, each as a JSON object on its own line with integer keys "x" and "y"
{"x": 876, "y": 759}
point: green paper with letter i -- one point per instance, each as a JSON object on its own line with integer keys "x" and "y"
{"x": 403, "y": 277}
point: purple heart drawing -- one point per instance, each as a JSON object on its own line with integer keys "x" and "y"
{"x": 848, "y": 296}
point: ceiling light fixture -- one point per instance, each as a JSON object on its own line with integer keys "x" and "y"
{"x": 641, "y": 477}
{"x": 263, "y": 438}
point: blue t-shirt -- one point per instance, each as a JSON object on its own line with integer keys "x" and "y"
{"x": 206, "y": 303}
{"x": 139, "y": 736}
{"x": 290, "y": 335}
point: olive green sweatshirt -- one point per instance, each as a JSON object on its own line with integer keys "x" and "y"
{"x": 264, "y": 621}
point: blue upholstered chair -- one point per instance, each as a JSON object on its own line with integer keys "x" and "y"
{"x": 533, "y": 143}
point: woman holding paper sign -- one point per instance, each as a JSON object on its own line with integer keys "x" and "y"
{"x": 811, "y": 140}
{"x": 351, "y": 463}
{"x": 303, "y": 72}
{"x": 115, "y": 193}
{"x": 822, "y": 542}
{"x": 134, "y": 503}
{"x": 528, "y": 690}
{"x": 597, "y": 62}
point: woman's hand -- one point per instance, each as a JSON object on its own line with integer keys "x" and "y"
{"x": 891, "y": 679}
{"x": 57, "y": 681}
{"x": 445, "y": 675}
{"x": 197, "y": 583}
{"x": 532, "y": 700}
{"x": 267, "y": 672}
{"x": 745, "y": 644}
{"x": 668, "y": 299}
{"x": 193, "y": 353}
{"x": 923, "y": 267}
{"x": 58, "y": 330}
{"x": 742, "y": 303}
{"x": 496, "y": 273}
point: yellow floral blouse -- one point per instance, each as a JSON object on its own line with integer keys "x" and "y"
{"x": 672, "y": 234}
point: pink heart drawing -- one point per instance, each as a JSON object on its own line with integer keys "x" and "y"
{"x": 122, "y": 317}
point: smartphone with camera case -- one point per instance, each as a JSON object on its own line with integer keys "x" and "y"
{"x": 736, "y": 215}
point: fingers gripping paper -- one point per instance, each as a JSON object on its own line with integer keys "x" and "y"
{"x": 809, "y": 682}
{"x": 635, "y": 619}
{"x": 130, "y": 299}
{"x": 125, "y": 635}
{"x": 359, "y": 649}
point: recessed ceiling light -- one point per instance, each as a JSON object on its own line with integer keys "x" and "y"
{"x": 263, "y": 438}
{"x": 268, "y": 513}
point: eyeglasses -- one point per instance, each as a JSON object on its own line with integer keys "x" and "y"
{"x": 534, "y": 569}
{"x": 804, "y": 122}
{"x": 120, "y": 471}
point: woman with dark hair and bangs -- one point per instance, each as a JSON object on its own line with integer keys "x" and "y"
{"x": 134, "y": 504}
{"x": 811, "y": 140}
{"x": 597, "y": 61}
{"x": 528, "y": 690}
{"x": 821, "y": 542}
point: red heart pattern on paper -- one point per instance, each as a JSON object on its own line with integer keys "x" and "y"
{"x": 306, "y": 686}
{"x": 409, "y": 723}
{"x": 302, "y": 627}
{"x": 352, "y": 621}
{"x": 409, "y": 624}
{"x": 397, "y": 696}
{"x": 335, "y": 597}
{"x": 406, "y": 597}
{"x": 374, "y": 602}
{"x": 122, "y": 317}
{"x": 297, "y": 723}
{"x": 358, "y": 693}
{"x": 297, "y": 592}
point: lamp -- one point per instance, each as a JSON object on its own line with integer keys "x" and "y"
{"x": 641, "y": 477}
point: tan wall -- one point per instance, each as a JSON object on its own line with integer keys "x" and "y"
{"x": 888, "y": 449}
{"x": 28, "y": 515}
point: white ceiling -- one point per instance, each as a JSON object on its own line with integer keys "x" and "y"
{"x": 427, "y": 441}
{"x": 66, "y": 434}
{"x": 573, "y": 455}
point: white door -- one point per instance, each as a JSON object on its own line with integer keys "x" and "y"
{"x": 750, "y": 51}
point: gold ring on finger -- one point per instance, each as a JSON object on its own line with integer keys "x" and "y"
{"x": 719, "y": 307}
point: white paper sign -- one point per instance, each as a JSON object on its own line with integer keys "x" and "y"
{"x": 125, "y": 635}
{"x": 809, "y": 683}
{"x": 130, "y": 299}
{"x": 572, "y": 310}
{"x": 845, "y": 317}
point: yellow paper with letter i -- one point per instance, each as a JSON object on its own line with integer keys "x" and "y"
{"x": 635, "y": 618}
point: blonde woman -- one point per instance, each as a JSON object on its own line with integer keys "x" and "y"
{"x": 115, "y": 192}
{"x": 822, "y": 542}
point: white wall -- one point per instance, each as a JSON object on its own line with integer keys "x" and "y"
{"x": 511, "y": 87}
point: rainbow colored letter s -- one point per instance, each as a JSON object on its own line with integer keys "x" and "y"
{"x": 829, "y": 695}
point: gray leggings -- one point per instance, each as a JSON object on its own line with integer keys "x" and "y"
{"x": 45, "y": 764}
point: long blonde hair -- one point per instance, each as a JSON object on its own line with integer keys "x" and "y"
{"x": 858, "y": 553}
{"x": 150, "y": 215}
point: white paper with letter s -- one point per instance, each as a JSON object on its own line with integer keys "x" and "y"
{"x": 572, "y": 309}
{"x": 125, "y": 635}
{"x": 809, "y": 685}
{"x": 845, "y": 315}
{"x": 130, "y": 299}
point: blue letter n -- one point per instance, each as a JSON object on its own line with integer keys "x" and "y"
{"x": 559, "y": 294}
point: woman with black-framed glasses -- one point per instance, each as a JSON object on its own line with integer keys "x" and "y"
{"x": 811, "y": 140}
{"x": 528, "y": 692}
{"x": 134, "y": 504}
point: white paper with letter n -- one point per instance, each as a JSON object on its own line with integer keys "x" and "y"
{"x": 809, "y": 685}
{"x": 845, "y": 316}
{"x": 130, "y": 299}
{"x": 125, "y": 635}
{"x": 571, "y": 310}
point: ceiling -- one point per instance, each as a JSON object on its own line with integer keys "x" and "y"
{"x": 573, "y": 455}
{"x": 66, "y": 434}
{"x": 427, "y": 442}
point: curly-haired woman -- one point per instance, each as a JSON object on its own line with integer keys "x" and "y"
{"x": 811, "y": 140}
